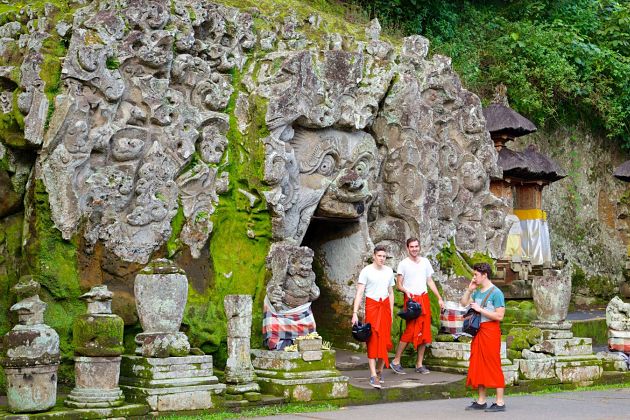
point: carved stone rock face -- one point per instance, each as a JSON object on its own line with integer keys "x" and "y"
{"x": 331, "y": 174}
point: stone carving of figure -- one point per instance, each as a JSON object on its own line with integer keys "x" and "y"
{"x": 618, "y": 315}
{"x": 290, "y": 292}
{"x": 294, "y": 285}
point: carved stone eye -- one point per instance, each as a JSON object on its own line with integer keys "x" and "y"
{"x": 327, "y": 166}
{"x": 361, "y": 168}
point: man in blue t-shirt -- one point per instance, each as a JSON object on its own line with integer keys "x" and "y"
{"x": 485, "y": 370}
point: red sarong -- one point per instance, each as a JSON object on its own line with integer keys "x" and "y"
{"x": 418, "y": 331}
{"x": 379, "y": 315}
{"x": 485, "y": 357}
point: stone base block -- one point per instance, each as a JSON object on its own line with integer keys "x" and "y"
{"x": 455, "y": 350}
{"x": 171, "y": 383}
{"x": 577, "y": 346}
{"x": 65, "y": 413}
{"x": 552, "y": 325}
{"x": 556, "y": 334}
{"x": 537, "y": 368}
{"x": 293, "y": 361}
{"x": 31, "y": 389}
{"x": 242, "y": 388}
{"x": 95, "y": 398}
{"x": 175, "y": 398}
{"x": 510, "y": 372}
{"x": 316, "y": 389}
{"x": 613, "y": 361}
{"x": 578, "y": 369}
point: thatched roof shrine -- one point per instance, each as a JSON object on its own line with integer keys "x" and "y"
{"x": 529, "y": 165}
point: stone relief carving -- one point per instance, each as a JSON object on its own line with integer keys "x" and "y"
{"x": 120, "y": 148}
{"x": 293, "y": 281}
{"x": 359, "y": 131}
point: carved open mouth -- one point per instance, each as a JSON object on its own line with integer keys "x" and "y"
{"x": 329, "y": 208}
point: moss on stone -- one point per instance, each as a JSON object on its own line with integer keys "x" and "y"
{"x": 98, "y": 335}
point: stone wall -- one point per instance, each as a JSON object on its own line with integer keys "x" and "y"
{"x": 588, "y": 210}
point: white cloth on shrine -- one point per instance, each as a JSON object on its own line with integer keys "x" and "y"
{"x": 535, "y": 235}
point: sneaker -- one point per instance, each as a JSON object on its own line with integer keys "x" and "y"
{"x": 423, "y": 370}
{"x": 374, "y": 382}
{"x": 379, "y": 375}
{"x": 476, "y": 406}
{"x": 397, "y": 368}
{"x": 495, "y": 408}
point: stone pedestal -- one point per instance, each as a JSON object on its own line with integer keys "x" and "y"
{"x": 239, "y": 372}
{"x": 299, "y": 376}
{"x": 455, "y": 357}
{"x": 96, "y": 383}
{"x": 560, "y": 355}
{"x": 170, "y": 383}
{"x": 31, "y": 389}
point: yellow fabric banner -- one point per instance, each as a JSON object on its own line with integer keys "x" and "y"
{"x": 530, "y": 214}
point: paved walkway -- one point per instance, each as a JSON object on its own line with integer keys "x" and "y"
{"x": 612, "y": 404}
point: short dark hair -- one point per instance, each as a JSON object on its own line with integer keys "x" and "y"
{"x": 379, "y": 248}
{"x": 410, "y": 240}
{"x": 483, "y": 268}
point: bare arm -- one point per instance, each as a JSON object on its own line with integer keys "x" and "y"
{"x": 391, "y": 300}
{"x": 496, "y": 315}
{"x": 434, "y": 289}
{"x": 357, "y": 302}
{"x": 399, "y": 285}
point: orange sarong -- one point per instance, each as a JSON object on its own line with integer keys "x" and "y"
{"x": 485, "y": 357}
{"x": 418, "y": 331}
{"x": 379, "y": 314}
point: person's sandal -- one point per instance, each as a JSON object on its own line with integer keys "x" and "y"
{"x": 374, "y": 382}
{"x": 476, "y": 406}
{"x": 495, "y": 408}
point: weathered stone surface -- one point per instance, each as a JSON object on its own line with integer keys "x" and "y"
{"x": 539, "y": 368}
{"x": 96, "y": 383}
{"x": 613, "y": 361}
{"x": 170, "y": 384}
{"x": 32, "y": 388}
{"x": 565, "y": 347}
{"x": 618, "y": 315}
{"x": 30, "y": 354}
{"x": 238, "y": 368}
{"x": 584, "y": 369}
{"x": 552, "y": 294}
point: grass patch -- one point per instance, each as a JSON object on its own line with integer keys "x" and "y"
{"x": 552, "y": 389}
{"x": 270, "y": 410}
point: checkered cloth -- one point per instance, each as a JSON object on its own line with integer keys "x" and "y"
{"x": 452, "y": 318}
{"x": 281, "y": 328}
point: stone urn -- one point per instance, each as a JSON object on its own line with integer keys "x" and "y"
{"x": 98, "y": 344}
{"x": 161, "y": 291}
{"x": 30, "y": 357}
{"x": 552, "y": 294}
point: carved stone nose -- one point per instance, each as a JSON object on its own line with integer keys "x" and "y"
{"x": 351, "y": 181}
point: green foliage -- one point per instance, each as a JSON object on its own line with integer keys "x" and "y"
{"x": 561, "y": 60}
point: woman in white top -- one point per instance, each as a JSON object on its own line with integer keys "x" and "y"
{"x": 377, "y": 281}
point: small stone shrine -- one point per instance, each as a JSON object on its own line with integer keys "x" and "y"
{"x": 97, "y": 340}
{"x": 525, "y": 174}
{"x": 163, "y": 374}
{"x": 303, "y": 371}
{"x": 559, "y": 354}
{"x": 239, "y": 372}
{"x": 30, "y": 354}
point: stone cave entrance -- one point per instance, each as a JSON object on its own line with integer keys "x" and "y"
{"x": 339, "y": 247}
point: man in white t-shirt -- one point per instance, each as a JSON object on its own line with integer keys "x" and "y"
{"x": 377, "y": 281}
{"x": 414, "y": 275}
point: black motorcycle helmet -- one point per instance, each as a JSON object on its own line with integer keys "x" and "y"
{"x": 361, "y": 332}
{"x": 413, "y": 311}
